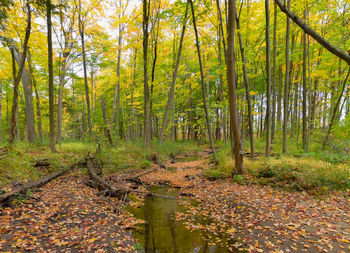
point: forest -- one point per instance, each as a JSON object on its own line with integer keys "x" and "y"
{"x": 174, "y": 126}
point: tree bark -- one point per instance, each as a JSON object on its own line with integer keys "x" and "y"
{"x": 203, "y": 84}
{"x": 106, "y": 128}
{"x": 116, "y": 100}
{"x": 335, "y": 110}
{"x": 172, "y": 87}
{"x": 247, "y": 91}
{"x": 274, "y": 76}
{"x": 50, "y": 60}
{"x": 231, "y": 83}
{"x": 38, "y": 110}
{"x": 305, "y": 89}
{"x": 286, "y": 87}
{"x": 326, "y": 44}
{"x": 82, "y": 37}
{"x": 268, "y": 84}
{"x": 146, "y": 125}
{"x": 17, "y": 76}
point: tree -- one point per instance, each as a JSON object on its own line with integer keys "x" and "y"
{"x": 286, "y": 87}
{"x": 146, "y": 125}
{"x": 203, "y": 84}
{"x": 17, "y": 77}
{"x": 82, "y": 37}
{"x": 231, "y": 83}
{"x": 50, "y": 60}
{"x": 268, "y": 83}
{"x": 247, "y": 91}
{"x": 173, "y": 81}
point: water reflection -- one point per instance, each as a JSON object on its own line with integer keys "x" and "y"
{"x": 162, "y": 233}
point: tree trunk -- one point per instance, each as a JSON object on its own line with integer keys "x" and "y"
{"x": 274, "y": 80}
{"x": 147, "y": 127}
{"x": 335, "y": 110}
{"x": 132, "y": 97}
{"x": 106, "y": 128}
{"x": 17, "y": 76}
{"x": 172, "y": 87}
{"x": 203, "y": 84}
{"x": 305, "y": 89}
{"x": 38, "y": 110}
{"x": 82, "y": 37}
{"x": 268, "y": 84}
{"x": 247, "y": 91}
{"x": 286, "y": 87}
{"x": 231, "y": 83}
{"x": 50, "y": 60}
{"x": 116, "y": 100}
{"x": 221, "y": 65}
{"x": 331, "y": 48}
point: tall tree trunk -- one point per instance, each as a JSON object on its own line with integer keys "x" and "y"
{"x": 335, "y": 110}
{"x": 17, "y": 76}
{"x": 50, "y": 61}
{"x": 132, "y": 96}
{"x": 172, "y": 87}
{"x": 274, "y": 76}
{"x": 147, "y": 127}
{"x": 286, "y": 86}
{"x": 82, "y": 37}
{"x": 305, "y": 89}
{"x": 203, "y": 84}
{"x": 247, "y": 91}
{"x": 231, "y": 83}
{"x": 105, "y": 120}
{"x": 268, "y": 84}
{"x": 153, "y": 75}
{"x": 116, "y": 100}
{"x": 38, "y": 110}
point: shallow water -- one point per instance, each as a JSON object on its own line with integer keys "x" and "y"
{"x": 162, "y": 233}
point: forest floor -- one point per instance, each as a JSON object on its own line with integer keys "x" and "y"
{"x": 67, "y": 215}
{"x": 260, "y": 218}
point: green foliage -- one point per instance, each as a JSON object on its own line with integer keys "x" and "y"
{"x": 299, "y": 173}
{"x": 214, "y": 174}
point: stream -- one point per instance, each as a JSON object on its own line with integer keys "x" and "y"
{"x": 162, "y": 233}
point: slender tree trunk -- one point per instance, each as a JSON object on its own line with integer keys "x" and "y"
{"x": 274, "y": 76}
{"x": 172, "y": 87}
{"x": 132, "y": 96}
{"x": 116, "y": 100}
{"x": 247, "y": 92}
{"x": 268, "y": 84}
{"x": 286, "y": 86}
{"x": 82, "y": 37}
{"x": 105, "y": 127}
{"x": 153, "y": 76}
{"x": 231, "y": 83}
{"x": 203, "y": 84}
{"x": 147, "y": 127}
{"x": 38, "y": 110}
{"x": 17, "y": 76}
{"x": 50, "y": 60}
{"x": 335, "y": 110}
{"x": 305, "y": 89}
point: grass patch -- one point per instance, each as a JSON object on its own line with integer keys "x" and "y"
{"x": 303, "y": 173}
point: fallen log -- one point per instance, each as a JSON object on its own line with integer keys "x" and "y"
{"x": 23, "y": 189}
{"x": 136, "y": 179}
{"x": 108, "y": 189}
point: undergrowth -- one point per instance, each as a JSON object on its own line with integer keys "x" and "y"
{"x": 17, "y": 161}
